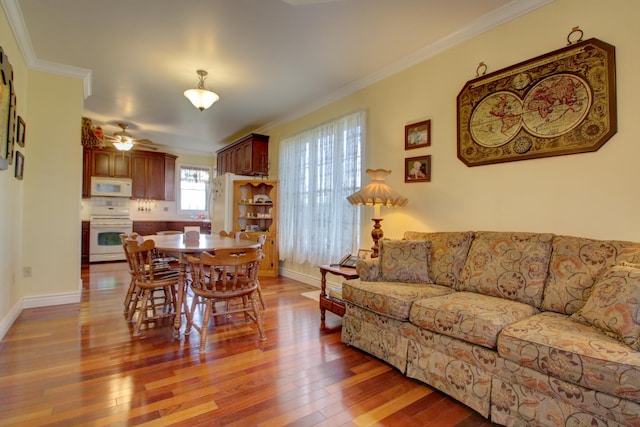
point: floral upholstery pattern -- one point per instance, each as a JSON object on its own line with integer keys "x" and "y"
{"x": 368, "y": 269}
{"x": 554, "y": 345}
{"x": 575, "y": 264}
{"x": 459, "y": 379}
{"x": 404, "y": 260}
{"x": 377, "y": 335}
{"x": 517, "y": 404}
{"x": 448, "y": 252}
{"x": 512, "y": 266}
{"x": 519, "y": 392}
{"x": 614, "y": 305}
{"x": 390, "y": 299}
{"x": 477, "y": 319}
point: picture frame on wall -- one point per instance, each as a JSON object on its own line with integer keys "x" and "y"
{"x": 6, "y": 94}
{"x": 417, "y": 135}
{"x": 19, "y": 168}
{"x": 20, "y": 131}
{"x": 417, "y": 169}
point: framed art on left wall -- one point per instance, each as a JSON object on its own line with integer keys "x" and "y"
{"x": 6, "y": 98}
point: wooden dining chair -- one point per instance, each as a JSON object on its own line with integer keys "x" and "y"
{"x": 224, "y": 233}
{"x": 261, "y": 239}
{"x": 147, "y": 281}
{"x": 161, "y": 266}
{"x": 229, "y": 274}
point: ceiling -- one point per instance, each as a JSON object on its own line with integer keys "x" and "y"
{"x": 269, "y": 60}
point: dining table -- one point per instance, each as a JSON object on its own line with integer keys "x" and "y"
{"x": 178, "y": 246}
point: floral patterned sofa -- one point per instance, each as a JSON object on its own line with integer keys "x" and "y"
{"x": 525, "y": 328}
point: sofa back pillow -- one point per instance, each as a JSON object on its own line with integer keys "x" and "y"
{"x": 448, "y": 253}
{"x": 614, "y": 304}
{"x": 508, "y": 265}
{"x": 575, "y": 264}
{"x": 404, "y": 260}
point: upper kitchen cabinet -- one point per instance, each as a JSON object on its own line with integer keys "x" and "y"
{"x": 153, "y": 175}
{"x": 110, "y": 163}
{"x": 247, "y": 156}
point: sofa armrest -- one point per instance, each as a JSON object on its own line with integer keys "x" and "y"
{"x": 368, "y": 270}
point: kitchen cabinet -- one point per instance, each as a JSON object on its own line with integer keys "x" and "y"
{"x": 153, "y": 176}
{"x": 255, "y": 211}
{"x": 110, "y": 163}
{"x": 85, "y": 242}
{"x": 247, "y": 156}
{"x": 86, "y": 174}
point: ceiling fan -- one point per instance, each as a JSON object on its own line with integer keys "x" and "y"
{"x": 124, "y": 141}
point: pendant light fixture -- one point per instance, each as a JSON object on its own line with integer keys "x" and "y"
{"x": 200, "y": 97}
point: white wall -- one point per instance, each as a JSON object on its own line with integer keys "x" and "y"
{"x": 40, "y": 215}
{"x": 592, "y": 194}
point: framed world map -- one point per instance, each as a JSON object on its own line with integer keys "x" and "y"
{"x": 563, "y": 102}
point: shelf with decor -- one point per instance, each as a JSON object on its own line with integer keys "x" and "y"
{"x": 255, "y": 212}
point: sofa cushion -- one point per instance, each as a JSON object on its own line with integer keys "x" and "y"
{"x": 508, "y": 265}
{"x": 614, "y": 305}
{"x": 448, "y": 253}
{"x": 389, "y": 299}
{"x": 575, "y": 264}
{"x": 404, "y": 260}
{"x": 553, "y": 344}
{"x": 477, "y": 319}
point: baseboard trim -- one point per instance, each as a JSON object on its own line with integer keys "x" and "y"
{"x": 11, "y": 317}
{"x": 49, "y": 300}
{"x": 300, "y": 277}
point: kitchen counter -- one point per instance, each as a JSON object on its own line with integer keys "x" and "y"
{"x": 148, "y": 227}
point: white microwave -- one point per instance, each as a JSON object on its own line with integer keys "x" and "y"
{"x": 110, "y": 187}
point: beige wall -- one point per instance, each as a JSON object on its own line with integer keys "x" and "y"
{"x": 40, "y": 225}
{"x": 593, "y": 194}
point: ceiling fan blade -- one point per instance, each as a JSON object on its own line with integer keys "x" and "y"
{"x": 144, "y": 147}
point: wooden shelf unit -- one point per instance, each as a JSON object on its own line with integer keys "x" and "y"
{"x": 256, "y": 218}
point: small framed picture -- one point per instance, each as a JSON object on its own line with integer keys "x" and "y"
{"x": 417, "y": 169}
{"x": 417, "y": 135}
{"x": 364, "y": 253}
{"x": 19, "y": 165}
{"x": 20, "y": 131}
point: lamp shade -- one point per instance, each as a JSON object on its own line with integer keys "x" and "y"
{"x": 201, "y": 98}
{"x": 377, "y": 193}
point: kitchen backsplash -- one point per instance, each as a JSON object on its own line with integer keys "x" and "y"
{"x": 147, "y": 210}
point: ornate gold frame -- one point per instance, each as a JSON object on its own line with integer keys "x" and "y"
{"x": 563, "y": 102}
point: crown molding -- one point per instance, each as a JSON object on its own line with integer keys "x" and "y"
{"x": 506, "y": 13}
{"x": 19, "y": 29}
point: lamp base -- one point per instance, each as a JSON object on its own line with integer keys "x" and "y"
{"x": 376, "y": 234}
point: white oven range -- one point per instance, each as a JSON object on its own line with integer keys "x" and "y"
{"x": 109, "y": 218}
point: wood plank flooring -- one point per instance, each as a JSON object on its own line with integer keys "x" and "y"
{"x": 78, "y": 364}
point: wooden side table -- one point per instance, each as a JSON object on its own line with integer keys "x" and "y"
{"x": 327, "y": 302}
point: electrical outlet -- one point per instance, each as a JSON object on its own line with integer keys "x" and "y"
{"x": 26, "y": 272}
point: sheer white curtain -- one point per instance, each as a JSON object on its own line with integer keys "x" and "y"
{"x": 318, "y": 169}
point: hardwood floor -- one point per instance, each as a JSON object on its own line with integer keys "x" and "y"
{"x": 78, "y": 364}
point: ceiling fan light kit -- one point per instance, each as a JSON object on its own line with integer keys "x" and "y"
{"x": 200, "y": 97}
{"x": 123, "y": 145}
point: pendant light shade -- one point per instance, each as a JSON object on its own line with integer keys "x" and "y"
{"x": 200, "y": 97}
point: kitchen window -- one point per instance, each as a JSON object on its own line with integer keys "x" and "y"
{"x": 193, "y": 189}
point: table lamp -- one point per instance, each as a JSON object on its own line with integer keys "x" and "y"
{"x": 377, "y": 194}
